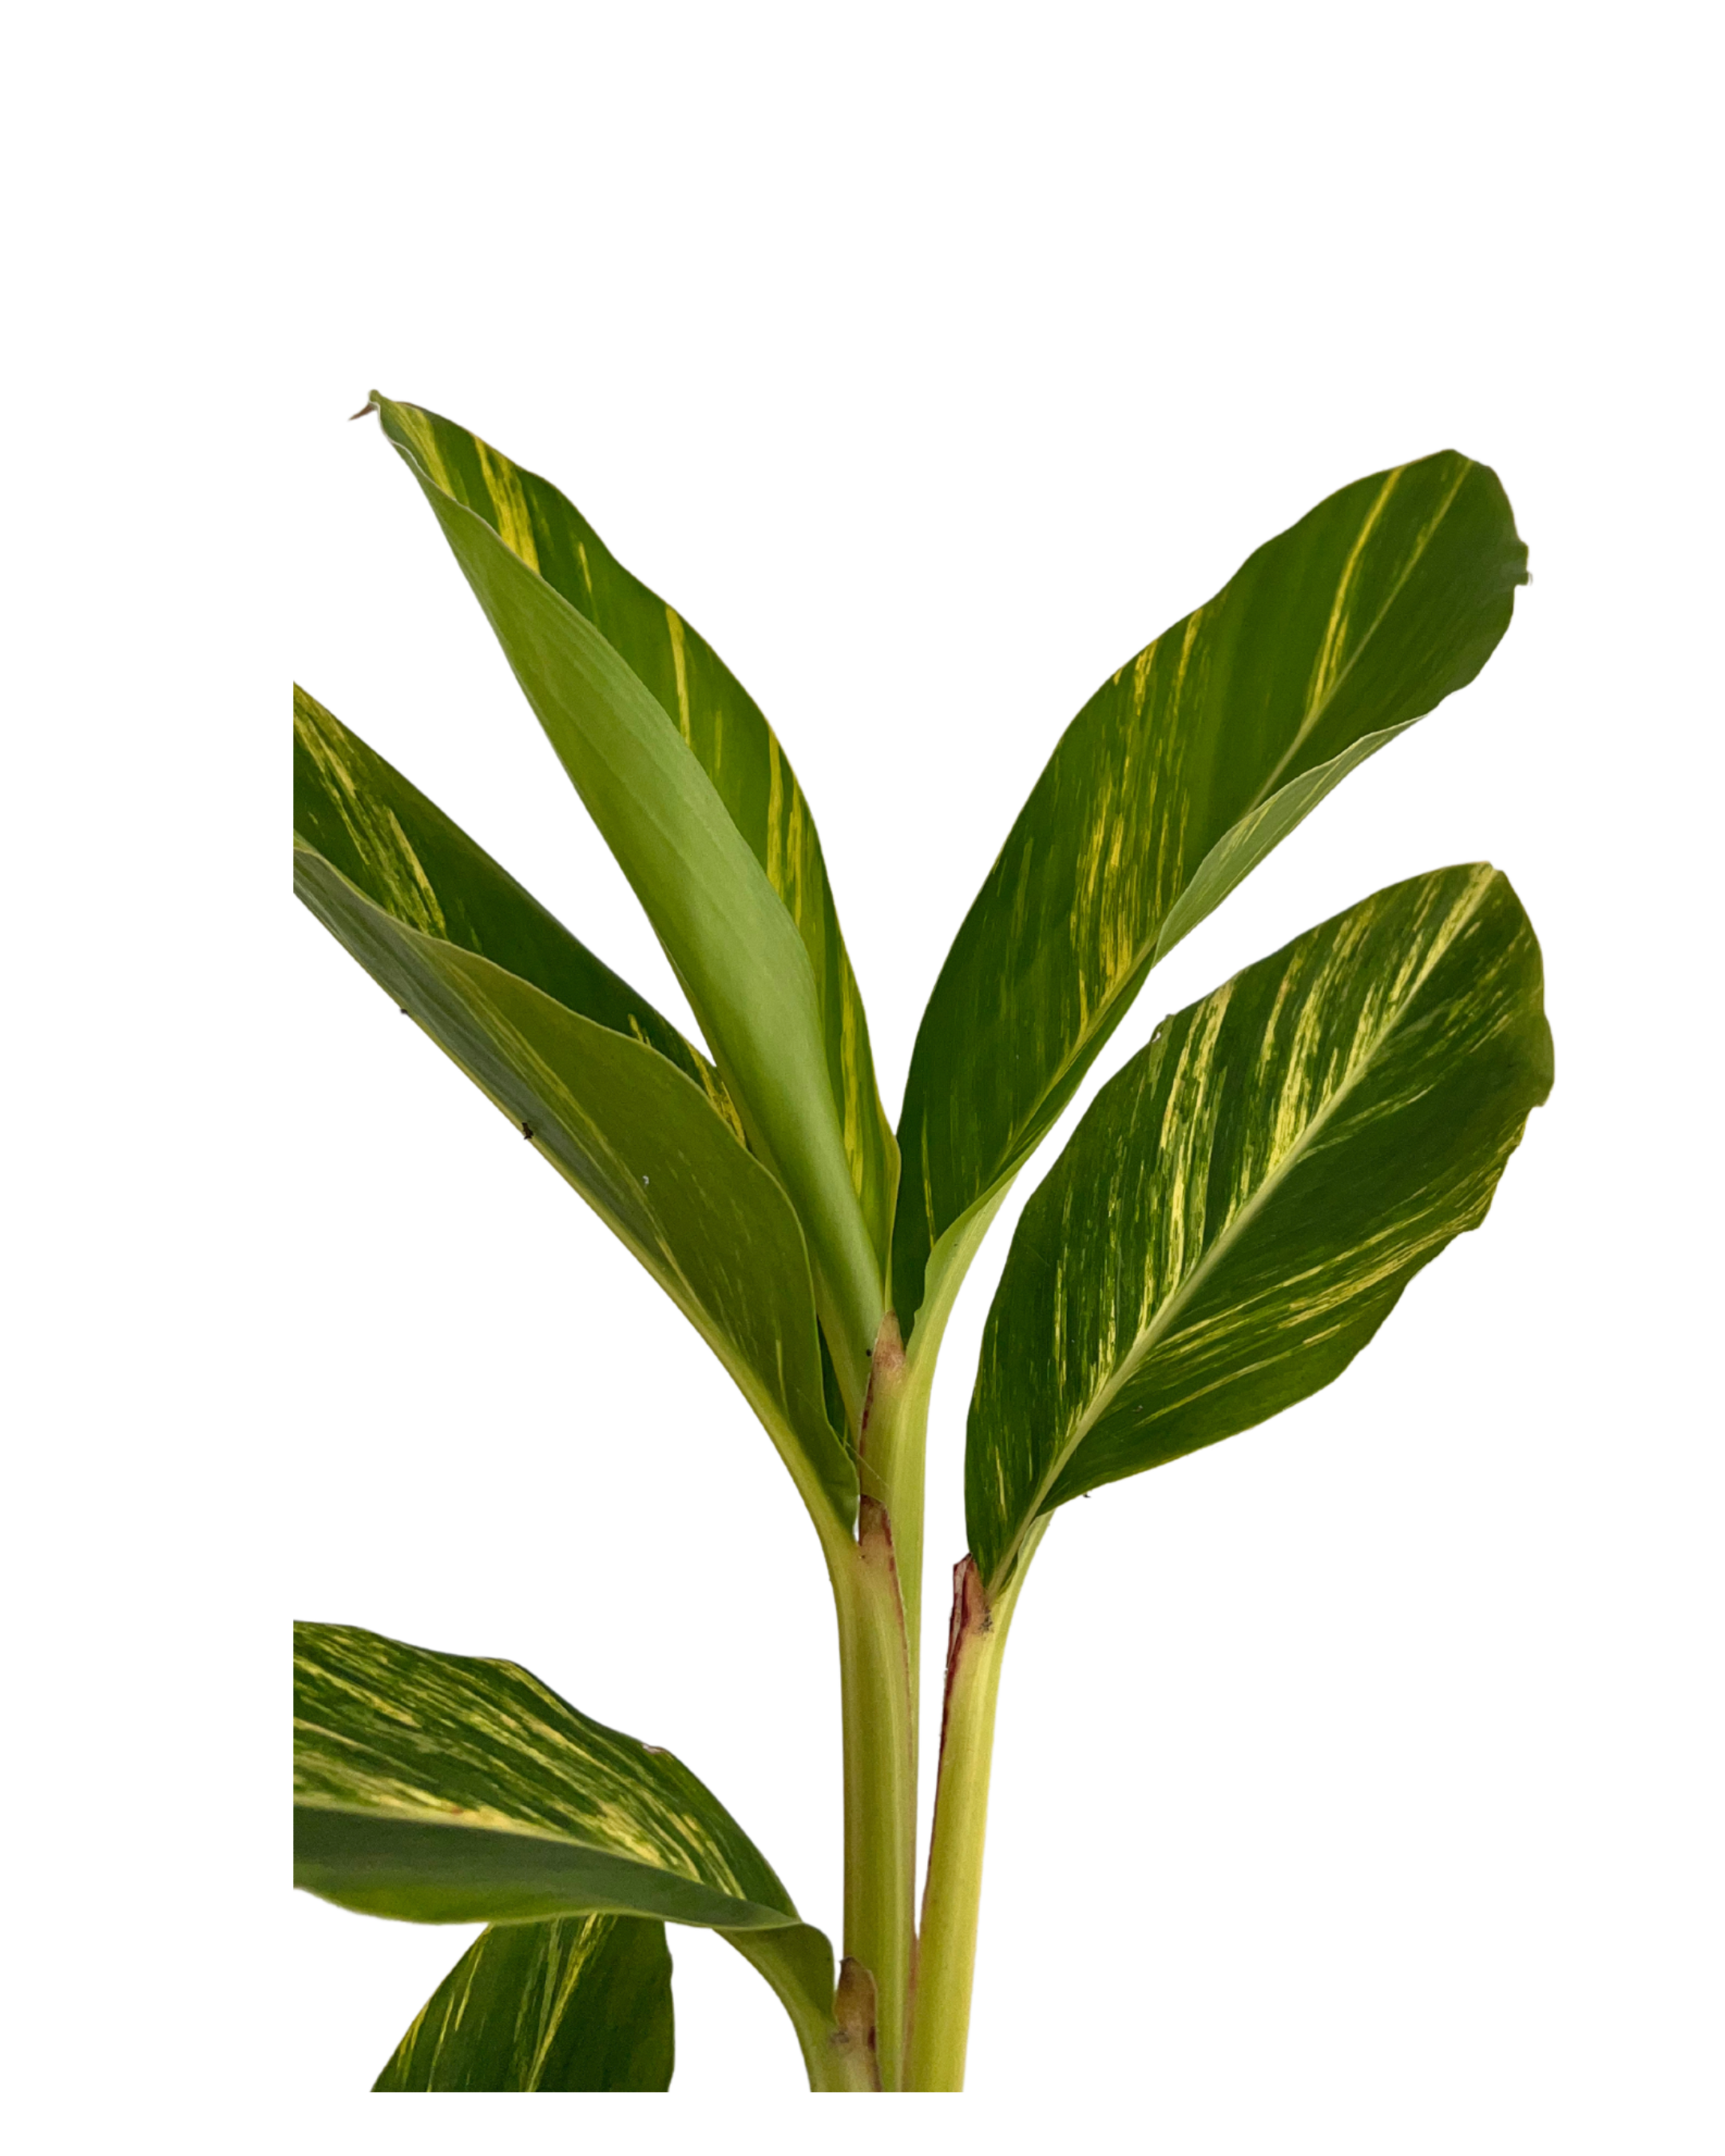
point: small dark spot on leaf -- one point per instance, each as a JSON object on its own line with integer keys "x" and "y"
{"x": 527, "y": 1130}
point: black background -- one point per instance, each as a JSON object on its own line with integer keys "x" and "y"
{"x": 1268, "y": 1719}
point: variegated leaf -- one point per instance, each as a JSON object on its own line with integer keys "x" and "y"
{"x": 444, "y": 1789}
{"x": 1242, "y": 1206}
{"x": 1180, "y": 773}
{"x": 694, "y": 795}
{"x": 608, "y": 1090}
{"x": 398, "y": 848}
{"x": 578, "y": 2003}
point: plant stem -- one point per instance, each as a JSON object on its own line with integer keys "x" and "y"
{"x": 894, "y": 1438}
{"x": 879, "y": 1774}
{"x": 952, "y": 1894}
{"x": 892, "y": 1447}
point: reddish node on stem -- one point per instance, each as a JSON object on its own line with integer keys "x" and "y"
{"x": 886, "y": 1367}
{"x": 970, "y": 1617}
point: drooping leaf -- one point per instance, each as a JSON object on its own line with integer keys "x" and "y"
{"x": 445, "y": 1790}
{"x": 694, "y": 796}
{"x": 1180, "y": 773}
{"x": 613, "y": 1096}
{"x": 578, "y": 2003}
{"x": 1242, "y": 1206}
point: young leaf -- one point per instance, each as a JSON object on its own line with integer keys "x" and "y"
{"x": 692, "y": 793}
{"x": 1179, "y": 774}
{"x": 1242, "y": 1205}
{"x": 611, "y": 1093}
{"x": 444, "y": 1789}
{"x": 577, "y": 2003}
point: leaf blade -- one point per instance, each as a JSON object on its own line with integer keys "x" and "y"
{"x": 398, "y": 848}
{"x": 576, "y": 2004}
{"x": 729, "y": 870}
{"x": 1245, "y": 1202}
{"x": 1175, "y": 779}
{"x": 443, "y": 1789}
{"x": 626, "y": 1110}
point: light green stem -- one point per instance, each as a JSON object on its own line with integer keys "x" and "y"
{"x": 945, "y": 1962}
{"x": 894, "y": 1433}
{"x": 879, "y": 1774}
{"x": 893, "y": 1451}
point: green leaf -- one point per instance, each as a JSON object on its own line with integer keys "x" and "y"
{"x": 398, "y": 849}
{"x": 578, "y": 2003}
{"x": 693, "y": 794}
{"x": 1179, "y": 774}
{"x": 612, "y": 1094}
{"x": 446, "y": 1789}
{"x": 1242, "y": 1206}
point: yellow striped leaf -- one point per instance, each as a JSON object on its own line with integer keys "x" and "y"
{"x": 1242, "y": 1205}
{"x": 579, "y": 2002}
{"x": 693, "y": 794}
{"x": 1180, "y": 773}
{"x": 397, "y": 848}
{"x": 608, "y": 1090}
{"x": 447, "y": 1789}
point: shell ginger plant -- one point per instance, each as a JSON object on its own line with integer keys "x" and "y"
{"x": 1233, "y": 1219}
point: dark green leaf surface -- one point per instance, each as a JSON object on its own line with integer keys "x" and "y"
{"x": 613, "y": 1096}
{"x": 398, "y": 848}
{"x": 578, "y": 2003}
{"x": 1240, "y": 1208}
{"x": 693, "y": 794}
{"x": 1178, "y": 775}
{"x": 446, "y": 1789}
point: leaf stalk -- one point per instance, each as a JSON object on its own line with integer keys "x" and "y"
{"x": 879, "y": 1774}
{"x": 945, "y": 1964}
